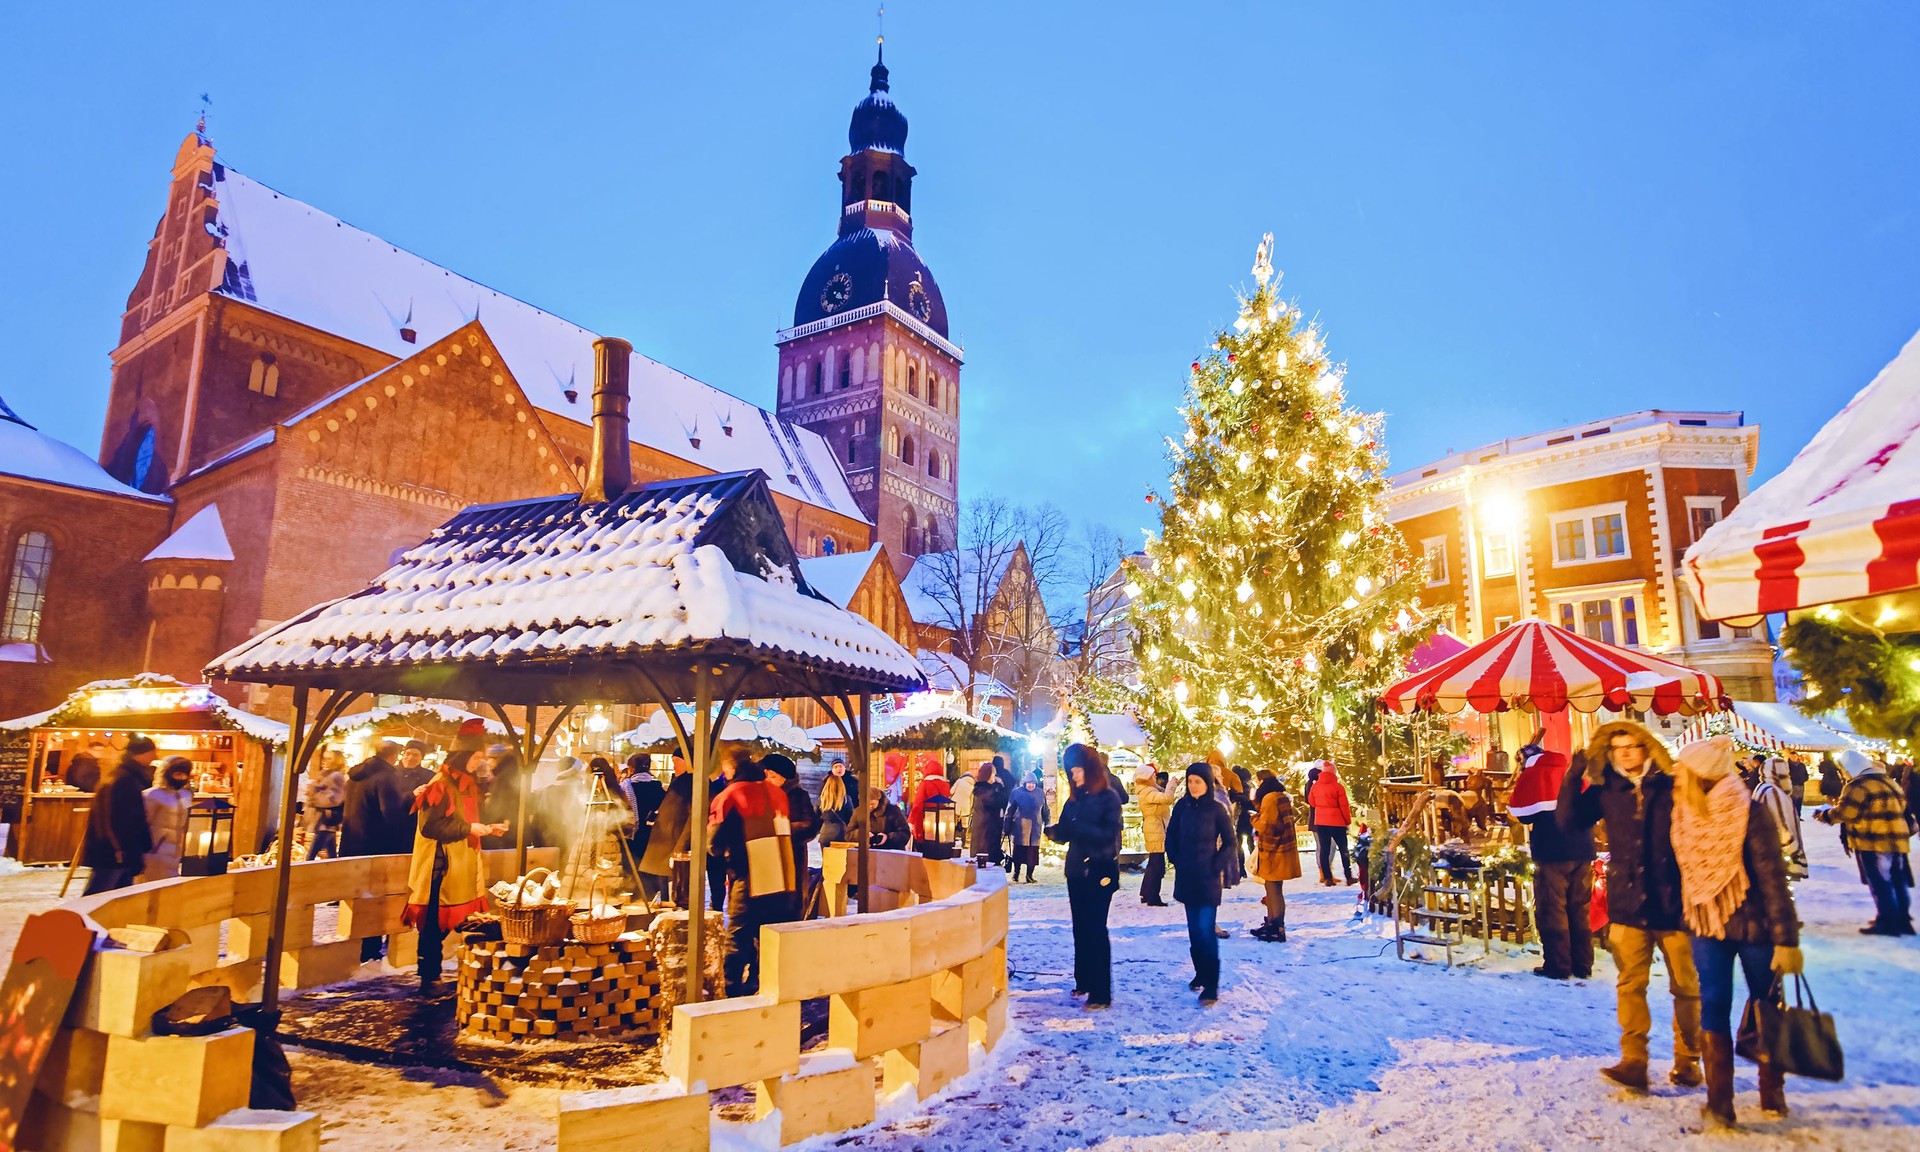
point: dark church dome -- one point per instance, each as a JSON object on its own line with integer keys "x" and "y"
{"x": 877, "y": 122}
{"x": 866, "y": 266}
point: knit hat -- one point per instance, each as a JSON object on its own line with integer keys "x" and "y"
{"x": 472, "y": 735}
{"x": 780, "y": 763}
{"x": 1709, "y": 760}
{"x": 1204, "y": 771}
{"x": 1079, "y": 756}
{"x": 140, "y": 745}
{"x": 420, "y": 746}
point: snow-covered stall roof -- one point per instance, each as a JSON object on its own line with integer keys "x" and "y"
{"x": 202, "y": 537}
{"x": 80, "y": 707}
{"x": 1839, "y": 523}
{"x": 415, "y": 712}
{"x": 294, "y": 260}
{"x": 556, "y": 598}
{"x": 839, "y": 576}
{"x": 33, "y": 455}
{"x": 772, "y": 728}
{"x": 938, "y": 726}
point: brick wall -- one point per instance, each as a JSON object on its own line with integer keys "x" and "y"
{"x": 93, "y": 625}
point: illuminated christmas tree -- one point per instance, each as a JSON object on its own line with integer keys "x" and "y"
{"x": 1276, "y": 600}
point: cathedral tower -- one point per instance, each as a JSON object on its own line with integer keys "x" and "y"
{"x": 867, "y": 363}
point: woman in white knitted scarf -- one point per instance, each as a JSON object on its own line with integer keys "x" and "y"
{"x": 1733, "y": 886}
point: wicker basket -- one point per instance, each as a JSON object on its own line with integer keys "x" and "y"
{"x": 604, "y": 930}
{"x": 535, "y": 926}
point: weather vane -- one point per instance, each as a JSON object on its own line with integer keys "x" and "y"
{"x": 206, "y": 106}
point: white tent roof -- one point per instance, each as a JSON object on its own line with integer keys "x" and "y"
{"x": 1786, "y": 724}
{"x": 1841, "y": 522}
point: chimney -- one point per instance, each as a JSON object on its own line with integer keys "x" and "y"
{"x": 611, "y": 472}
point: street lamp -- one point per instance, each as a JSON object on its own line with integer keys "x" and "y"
{"x": 938, "y": 813}
{"x": 209, "y": 841}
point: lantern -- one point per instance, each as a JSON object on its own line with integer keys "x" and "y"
{"x": 938, "y": 813}
{"x": 209, "y": 840}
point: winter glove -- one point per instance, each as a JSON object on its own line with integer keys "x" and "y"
{"x": 1787, "y": 961}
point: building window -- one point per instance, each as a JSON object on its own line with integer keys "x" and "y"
{"x": 1589, "y": 535}
{"x": 1433, "y": 557}
{"x": 913, "y": 380}
{"x": 1502, "y": 623}
{"x": 846, "y": 374}
{"x": 852, "y": 456}
{"x": 27, "y": 588}
{"x": 860, "y": 426}
{"x": 933, "y": 463}
{"x": 264, "y": 376}
{"x": 906, "y": 452}
{"x": 828, "y": 545}
{"x": 819, "y": 377}
{"x": 1608, "y": 619}
{"x": 893, "y": 441}
{"x": 1703, "y": 512}
{"x": 933, "y": 391}
{"x": 143, "y": 458}
{"x": 1498, "y": 551}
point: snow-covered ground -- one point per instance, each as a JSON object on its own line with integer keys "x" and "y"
{"x": 1326, "y": 1041}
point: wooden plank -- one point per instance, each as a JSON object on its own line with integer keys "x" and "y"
{"x": 184, "y": 1080}
{"x": 929, "y": 1065}
{"x": 664, "y": 1117}
{"x": 120, "y": 991}
{"x": 946, "y": 933}
{"x": 821, "y": 957}
{"x": 832, "y": 1092}
{"x": 723, "y": 1043}
{"x": 250, "y": 1130}
{"x": 871, "y": 1020}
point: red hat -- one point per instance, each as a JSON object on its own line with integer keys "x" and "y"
{"x": 1538, "y": 788}
{"x": 472, "y": 736}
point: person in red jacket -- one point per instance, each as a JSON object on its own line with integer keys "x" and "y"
{"x": 751, "y": 833}
{"x": 1330, "y": 814}
{"x": 931, "y": 785}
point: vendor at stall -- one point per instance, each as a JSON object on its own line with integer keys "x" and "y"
{"x": 447, "y": 880}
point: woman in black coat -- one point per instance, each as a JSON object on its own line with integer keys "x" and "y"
{"x": 1089, "y": 826}
{"x": 1201, "y": 847}
{"x": 986, "y": 824}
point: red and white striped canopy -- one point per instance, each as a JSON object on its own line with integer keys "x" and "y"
{"x": 1842, "y": 522}
{"x": 1538, "y": 667}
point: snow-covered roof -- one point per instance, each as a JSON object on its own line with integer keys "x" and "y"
{"x": 891, "y": 726}
{"x": 78, "y": 705}
{"x": 417, "y": 712}
{"x": 839, "y": 576}
{"x": 34, "y": 455}
{"x": 930, "y": 591}
{"x": 775, "y": 728}
{"x": 690, "y": 568}
{"x": 202, "y": 537}
{"x": 291, "y": 259}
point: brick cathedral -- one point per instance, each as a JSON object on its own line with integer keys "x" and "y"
{"x": 293, "y": 399}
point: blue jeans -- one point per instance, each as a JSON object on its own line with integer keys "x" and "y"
{"x": 1887, "y": 880}
{"x": 1203, "y": 945}
{"x": 1713, "y": 960}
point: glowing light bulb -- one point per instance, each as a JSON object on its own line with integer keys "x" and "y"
{"x": 1379, "y": 640}
{"x": 1179, "y": 691}
{"x": 1227, "y": 745}
{"x": 1134, "y": 591}
{"x": 1363, "y": 586}
{"x": 1188, "y": 588}
{"x": 1333, "y": 567}
{"x": 1244, "y": 592}
{"x": 1348, "y": 537}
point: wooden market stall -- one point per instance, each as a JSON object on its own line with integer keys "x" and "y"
{"x": 232, "y": 752}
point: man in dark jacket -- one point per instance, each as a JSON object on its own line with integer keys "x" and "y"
{"x": 1625, "y": 777}
{"x": 83, "y": 771}
{"x": 118, "y": 838}
{"x": 803, "y": 822}
{"x": 1089, "y": 825}
{"x": 644, "y": 795}
{"x": 1562, "y": 866}
{"x": 377, "y": 817}
{"x": 411, "y": 768}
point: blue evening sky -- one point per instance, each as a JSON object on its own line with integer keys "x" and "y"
{"x": 1507, "y": 216}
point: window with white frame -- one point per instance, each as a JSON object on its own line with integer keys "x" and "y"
{"x": 1703, "y": 512}
{"x": 1609, "y": 614}
{"x": 1589, "y": 535}
{"x": 1433, "y": 556}
{"x": 1497, "y": 551}
{"x": 1502, "y": 623}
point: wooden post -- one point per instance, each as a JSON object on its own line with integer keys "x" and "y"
{"x": 697, "y": 847}
{"x": 298, "y": 751}
{"x": 527, "y": 752}
{"x": 861, "y": 726}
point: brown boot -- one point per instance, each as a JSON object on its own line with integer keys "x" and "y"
{"x": 1631, "y": 1073}
{"x": 1718, "y": 1050}
{"x": 1773, "y": 1089}
{"x": 1686, "y": 1072}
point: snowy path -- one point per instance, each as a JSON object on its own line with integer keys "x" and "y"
{"x": 1328, "y": 1041}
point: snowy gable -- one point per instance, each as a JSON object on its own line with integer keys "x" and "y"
{"x": 839, "y": 577}
{"x": 33, "y": 455}
{"x": 701, "y": 567}
{"x": 202, "y": 537}
{"x": 293, "y": 260}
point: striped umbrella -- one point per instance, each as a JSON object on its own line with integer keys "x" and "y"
{"x": 1842, "y": 522}
{"x": 1538, "y": 667}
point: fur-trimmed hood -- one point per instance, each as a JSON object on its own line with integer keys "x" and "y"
{"x": 1595, "y": 753}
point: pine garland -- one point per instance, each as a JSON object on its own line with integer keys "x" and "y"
{"x": 1871, "y": 678}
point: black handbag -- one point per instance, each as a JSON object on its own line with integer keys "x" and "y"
{"x": 1797, "y": 1038}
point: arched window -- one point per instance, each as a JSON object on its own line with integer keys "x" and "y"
{"x": 819, "y": 377}
{"x": 846, "y": 374}
{"x": 906, "y": 452}
{"x": 26, "y": 588}
{"x": 828, "y": 545}
{"x": 852, "y": 456}
{"x": 933, "y": 390}
{"x": 913, "y": 380}
{"x": 893, "y": 441}
{"x": 264, "y": 376}
{"x": 933, "y": 463}
{"x": 143, "y": 458}
{"x": 880, "y": 186}
{"x": 911, "y": 535}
